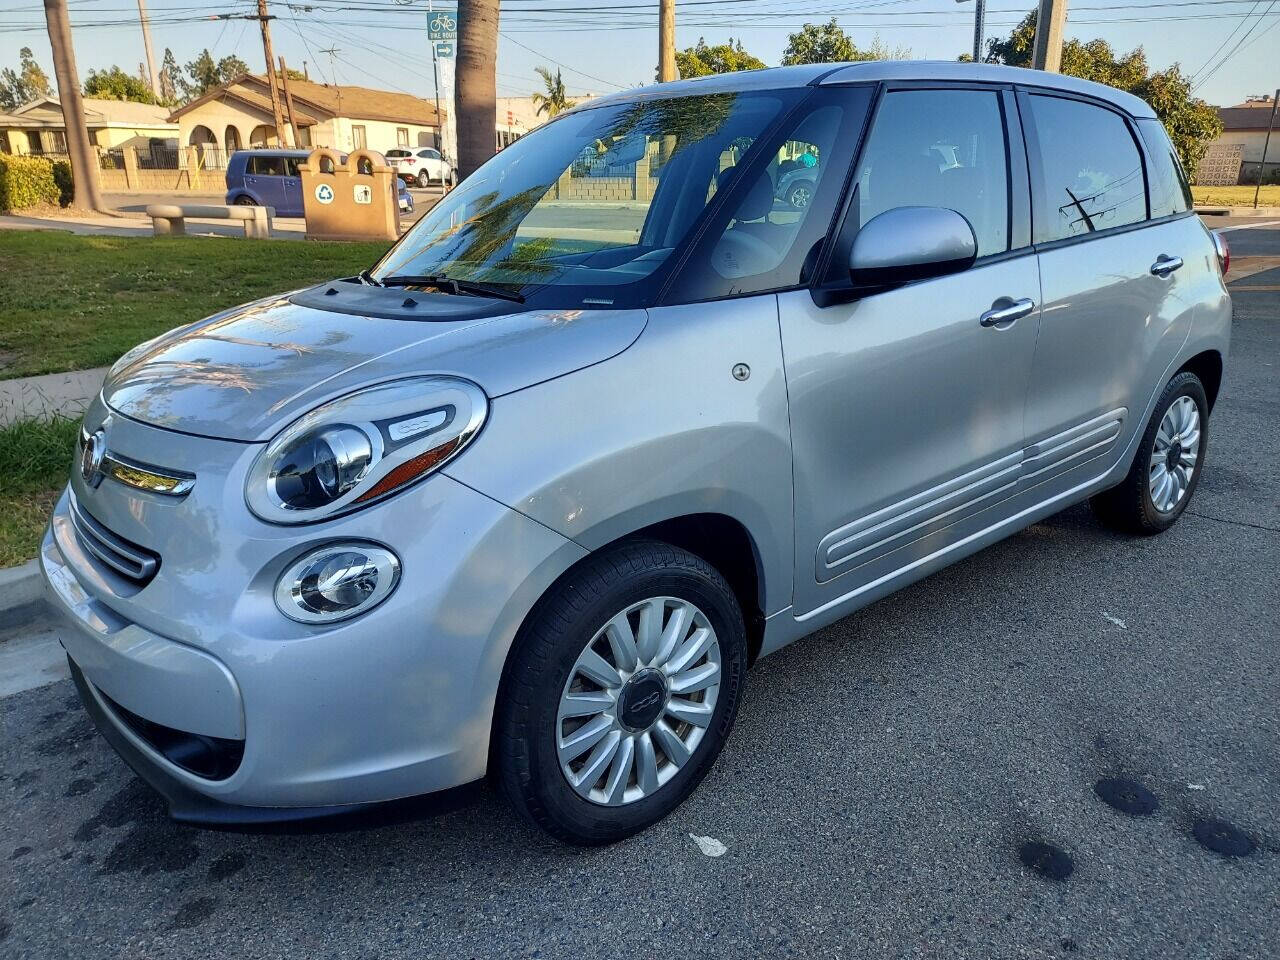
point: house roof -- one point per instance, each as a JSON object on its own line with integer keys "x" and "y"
{"x": 1254, "y": 115}
{"x": 259, "y": 101}
{"x": 326, "y": 100}
{"x": 99, "y": 113}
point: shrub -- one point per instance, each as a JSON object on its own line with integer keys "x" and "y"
{"x": 66, "y": 185}
{"x": 25, "y": 182}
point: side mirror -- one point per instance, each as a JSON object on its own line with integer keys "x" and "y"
{"x": 911, "y": 243}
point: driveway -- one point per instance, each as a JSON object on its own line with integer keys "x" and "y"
{"x": 930, "y": 777}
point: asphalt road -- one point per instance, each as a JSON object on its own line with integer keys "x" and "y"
{"x": 882, "y": 782}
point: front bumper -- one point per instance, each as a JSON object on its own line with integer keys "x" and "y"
{"x": 392, "y": 704}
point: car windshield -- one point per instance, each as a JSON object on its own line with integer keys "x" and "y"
{"x": 588, "y": 210}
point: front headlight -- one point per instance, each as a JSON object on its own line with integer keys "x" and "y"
{"x": 357, "y": 449}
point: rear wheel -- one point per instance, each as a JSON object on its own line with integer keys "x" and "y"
{"x": 620, "y": 693}
{"x": 1166, "y": 467}
{"x": 243, "y": 201}
{"x": 424, "y": 181}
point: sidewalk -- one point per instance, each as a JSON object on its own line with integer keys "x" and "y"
{"x": 53, "y": 394}
{"x": 126, "y": 225}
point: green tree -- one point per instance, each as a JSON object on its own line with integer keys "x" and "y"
{"x": 701, "y": 59}
{"x": 1192, "y": 123}
{"x": 170, "y": 78}
{"x": 554, "y": 101}
{"x": 827, "y": 43}
{"x": 114, "y": 84}
{"x": 24, "y": 84}
{"x": 205, "y": 73}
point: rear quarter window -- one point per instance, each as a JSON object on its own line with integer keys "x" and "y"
{"x": 1170, "y": 192}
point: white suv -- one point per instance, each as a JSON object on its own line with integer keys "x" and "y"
{"x": 422, "y": 166}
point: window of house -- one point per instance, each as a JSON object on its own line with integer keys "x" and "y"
{"x": 402, "y": 136}
{"x": 358, "y": 140}
{"x": 1091, "y": 171}
{"x": 939, "y": 148}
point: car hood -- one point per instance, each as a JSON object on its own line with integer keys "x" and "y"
{"x": 245, "y": 373}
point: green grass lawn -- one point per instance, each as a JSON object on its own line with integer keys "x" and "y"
{"x": 1236, "y": 196}
{"x": 35, "y": 459}
{"x": 72, "y": 302}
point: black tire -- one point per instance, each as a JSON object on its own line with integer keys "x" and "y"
{"x": 524, "y": 752}
{"x": 1128, "y": 506}
{"x": 424, "y": 181}
{"x": 245, "y": 201}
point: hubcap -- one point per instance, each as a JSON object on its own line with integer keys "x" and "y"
{"x": 638, "y": 701}
{"x": 1173, "y": 458}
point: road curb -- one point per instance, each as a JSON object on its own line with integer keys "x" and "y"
{"x": 21, "y": 594}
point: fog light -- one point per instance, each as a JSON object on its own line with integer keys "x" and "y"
{"x": 337, "y": 581}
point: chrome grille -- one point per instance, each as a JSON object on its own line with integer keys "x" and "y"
{"x": 136, "y": 564}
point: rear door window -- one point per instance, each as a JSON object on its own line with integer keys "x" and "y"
{"x": 1089, "y": 172}
{"x": 939, "y": 148}
{"x": 1170, "y": 192}
{"x": 267, "y": 166}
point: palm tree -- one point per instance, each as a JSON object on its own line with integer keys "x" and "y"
{"x": 476, "y": 86}
{"x": 554, "y": 100}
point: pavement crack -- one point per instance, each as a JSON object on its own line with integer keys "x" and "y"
{"x": 1234, "y": 523}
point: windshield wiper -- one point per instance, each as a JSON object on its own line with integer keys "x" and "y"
{"x": 452, "y": 285}
{"x": 367, "y": 278}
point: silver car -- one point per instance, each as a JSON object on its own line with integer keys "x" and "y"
{"x": 527, "y": 497}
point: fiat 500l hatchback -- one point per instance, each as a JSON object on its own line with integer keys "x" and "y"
{"x": 614, "y": 420}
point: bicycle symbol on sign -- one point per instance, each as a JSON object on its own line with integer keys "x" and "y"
{"x": 443, "y": 23}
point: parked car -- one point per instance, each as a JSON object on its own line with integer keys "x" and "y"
{"x": 270, "y": 178}
{"x": 528, "y": 496}
{"x": 422, "y": 166}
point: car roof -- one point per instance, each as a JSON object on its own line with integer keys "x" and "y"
{"x": 873, "y": 71}
{"x": 272, "y": 152}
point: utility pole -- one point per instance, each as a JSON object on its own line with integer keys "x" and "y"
{"x": 288, "y": 100}
{"x": 667, "y": 41}
{"x": 1266, "y": 144}
{"x": 1050, "y": 19}
{"x": 264, "y": 20}
{"x": 152, "y": 78}
{"x": 84, "y": 163}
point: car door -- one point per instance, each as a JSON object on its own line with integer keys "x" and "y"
{"x": 291, "y": 189}
{"x": 432, "y": 164}
{"x": 907, "y": 403}
{"x": 267, "y": 179}
{"x": 1116, "y": 298}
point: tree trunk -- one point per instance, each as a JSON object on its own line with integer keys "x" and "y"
{"x": 84, "y": 161}
{"x": 476, "y": 84}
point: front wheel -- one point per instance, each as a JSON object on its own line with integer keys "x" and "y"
{"x": 243, "y": 201}
{"x": 1166, "y": 467}
{"x": 620, "y": 693}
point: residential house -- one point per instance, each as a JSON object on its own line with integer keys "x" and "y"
{"x": 38, "y": 127}
{"x": 1236, "y": 155}
{"x": 238, "y": 115}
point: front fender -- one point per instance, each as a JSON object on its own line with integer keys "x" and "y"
{"x": 661, "y": 430}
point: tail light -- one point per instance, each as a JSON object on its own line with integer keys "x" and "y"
{"x": 1223, "y": 250}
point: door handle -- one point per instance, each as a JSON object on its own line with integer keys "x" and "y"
{"x": 1165, "y": 265}
{"x": 1005, "y": 311}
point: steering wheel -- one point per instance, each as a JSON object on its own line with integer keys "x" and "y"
{"x": 741, "y": 254}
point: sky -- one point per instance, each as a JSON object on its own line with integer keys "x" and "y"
{"x": 1232, "y": 47}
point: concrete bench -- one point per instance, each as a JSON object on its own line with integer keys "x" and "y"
{"x": 169, "y": 219}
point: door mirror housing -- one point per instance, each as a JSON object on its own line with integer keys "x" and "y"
{"x": 911, "y": 243}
